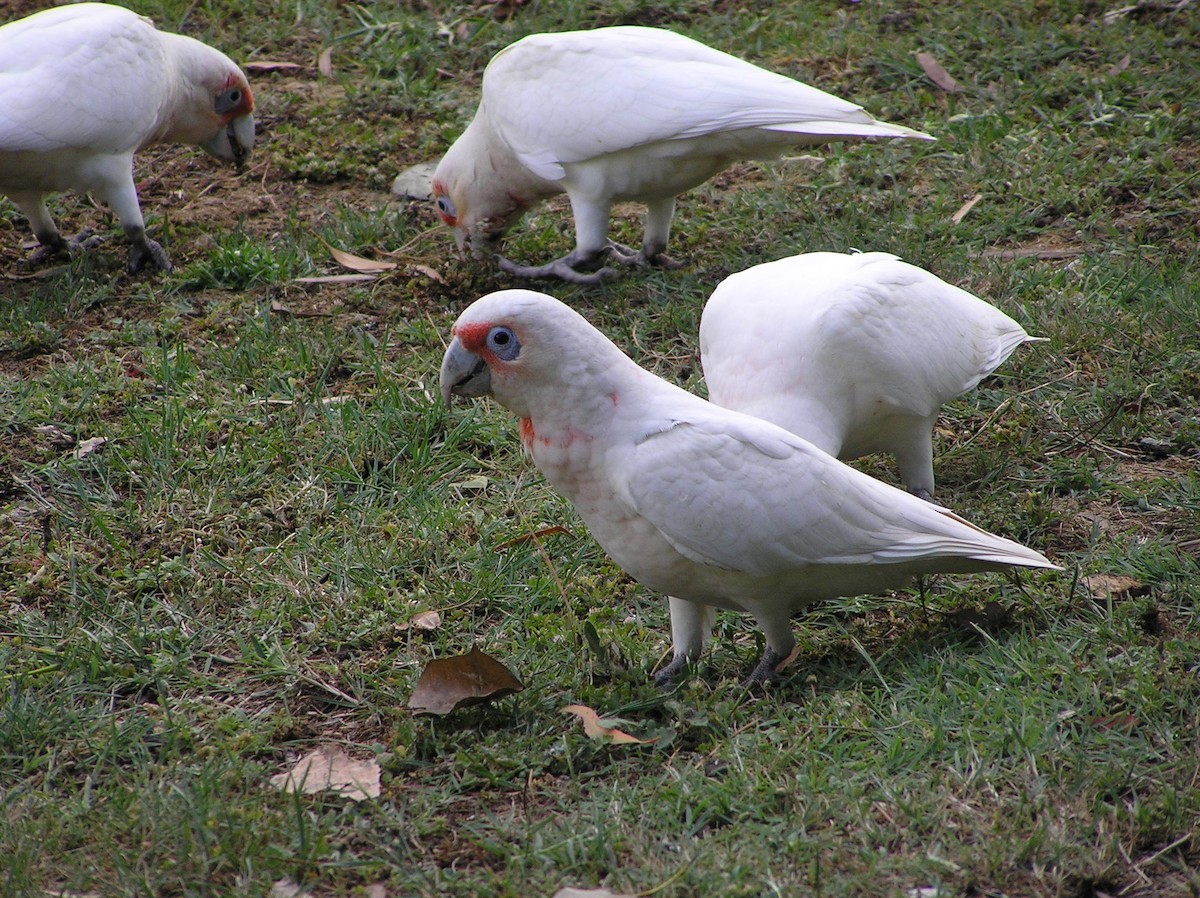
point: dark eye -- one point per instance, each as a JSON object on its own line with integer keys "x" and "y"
{"x": 503, "y": 342}
{"x": 229, "y": 101}
{"x": 445, "y": 206}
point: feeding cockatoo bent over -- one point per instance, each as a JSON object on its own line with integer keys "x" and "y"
{"x": 715, "y": 508}
{"x": 85, "y": 86}
{"x": 621, "y": 113}
{"x": 855, "y": 352}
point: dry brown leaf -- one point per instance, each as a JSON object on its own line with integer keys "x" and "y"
{"x": 596, "y": 727}
{"x": 938, "y": 75}
{"x": 285, "y": 888}
{"x": 1125, "y": 723}
{"x": 447, "y": 684}
{"x": 415, "y": 182}
{"x": 568, "y": 892}
{"x": 428, "y": 272}
{"x": 422, "y": 620}
{"x": 535, "y": 535}
{"x": 375, "y": 890}
{"x": 1115, "y": 586}
{"x": 334, "y": 279}
{"x": 88, "y": 446}
{"x": 1033, "y": 252}
{"x": 965, "y": 208}
{"x": 1121, "y": 66}
{"x": 266, "y": 66}
{"x": 358, "y": 263}
{"x": 325, "y": 62}
{"x": 329, "y": 767}
{"x": 56, "y": 436}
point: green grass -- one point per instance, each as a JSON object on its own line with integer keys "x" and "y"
{"x": 214, "y": 591}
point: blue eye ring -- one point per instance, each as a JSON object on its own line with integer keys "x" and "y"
{"x": 503, "y": 343}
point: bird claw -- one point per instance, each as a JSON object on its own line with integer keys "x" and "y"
{"x": 559, "y": 268}
{"x": 53, "y": 249}
{"x": 144, "y": 252}
{"x": 765, "y": 671}
{"x": 666, "y": 677}
{"x": 637, "y": 258}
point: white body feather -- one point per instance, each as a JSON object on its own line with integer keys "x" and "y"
{"x": 854, "y": 352}
{"x": 625, "y": 113}
{"x": 706, "y": 504}
{"x": 83, "y": 87}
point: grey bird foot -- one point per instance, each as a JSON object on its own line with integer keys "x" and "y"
{"x": 563, "y": 269}
{"x": 923, "y": 494}
{"x": 666, "y": 677}
{"x": 765, "y": 671}
{"x": 144, "y": 252}
{"x": 55, "y": 247}
{"x": 637, "y": 258}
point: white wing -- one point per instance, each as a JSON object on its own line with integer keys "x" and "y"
{"x": 841, "y": 328}
{"x": 82, "y": 76}
{"x": 740, "y": 494}
{"x": 573, "y": 96}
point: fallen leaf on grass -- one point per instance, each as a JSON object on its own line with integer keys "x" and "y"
{"x": 1124, "y": 723}
{"x": 428, "y": 272}
{"x": 415, "y": 182}
{"x": 334, "y": 279}
{"x": 598, "y": 728}
{"x": 325, "y": 62}
{"x": 422, "y": 620}
{"x": 358, "y": 263}
{"x": 56, "y": 436}
{"x": 266, "y": 66}
{"x": 938, "y": 75}
{"x": 447, "y": 684}
{"x": 280, "y": 309}
{"x": 1121, "y": 66}
{"x": 1114, "y": 586}
{"x": 534, "y": 535}
{"x": 88, "y": 446}
{"x": 568, "y": 892}
{"x": 965, "y": 208}
{"x": 285, "y": 888}
{"x": 329, "y": 767}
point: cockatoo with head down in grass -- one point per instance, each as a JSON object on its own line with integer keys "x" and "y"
{"x": 715, "y": 508}
{"x": 854, "y": 352}
{"x": 621, "y": 113}
{"x": 83, "y": 87}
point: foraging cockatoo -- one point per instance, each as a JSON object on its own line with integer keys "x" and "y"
{"x": 713, "y": 507}
{"x": 623, "y": 113}
{"x": 854, "y": 352}
{"x": 83, "y": 87}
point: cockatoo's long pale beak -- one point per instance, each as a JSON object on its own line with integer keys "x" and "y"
{"x": 463, "y": 373}
{"x": 234, "y": 142}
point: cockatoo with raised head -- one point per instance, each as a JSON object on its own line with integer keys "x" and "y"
{"x": 854, "y": 352}
{"x": 622, "y": 113}
{"x": 715, "y": 508}
{"x": 83, "y": 87}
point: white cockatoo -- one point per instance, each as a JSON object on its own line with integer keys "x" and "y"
{"x": 715, "y": 508}
{"x": 622, "y": 113}
{"x": 83, "y": 87}
{"x": 854, "y": 352}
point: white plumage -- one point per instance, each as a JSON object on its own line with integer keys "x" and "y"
{"x": 854, "y": 352}
{"x": 83, "y": 87}
{"x": 711, "y": 506}
{"x": 623, "y": 113}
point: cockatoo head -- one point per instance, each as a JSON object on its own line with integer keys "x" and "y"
{"x": 472, "y": 196}
{"x": 214, "y": 104}
{"x": 526, "y": 349}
